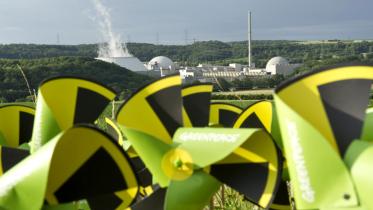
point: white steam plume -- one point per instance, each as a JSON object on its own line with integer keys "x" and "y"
{"x": 113, "y": 47}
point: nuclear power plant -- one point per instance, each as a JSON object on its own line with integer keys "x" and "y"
{"x": 161, "y": 65}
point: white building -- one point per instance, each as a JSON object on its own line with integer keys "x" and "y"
{"x": 279, "y": 65}
{"x": 161, "y": 63}
{"x": 130, "y": 62}
{"x": 236, "y": 66}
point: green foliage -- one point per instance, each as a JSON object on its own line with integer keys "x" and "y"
{"x": 13, "y": 86}
{"x": 214, "y": 52}
{"x": 32, "y": 51}
{"x": 320, "y": 64}
{"x": 261, "y": 82}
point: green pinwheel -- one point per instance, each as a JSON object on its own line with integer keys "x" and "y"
{"x": 193, "y": 162}
{"x": 321, "y": 116}
{"x": 82, "y": 101}
{"x": 195, "y": 101}
{"x": 51, "y": 176}
{"x": 180, "y": 166}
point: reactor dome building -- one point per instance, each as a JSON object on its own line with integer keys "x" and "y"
{"x": 161, "y": 63}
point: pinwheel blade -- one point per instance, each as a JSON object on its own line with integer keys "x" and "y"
{"x": 223, "y": 114}
{"x": 210, "y": 145}
{"x": 152, "y": 151}
{"x": 359, "y": 158}
{"x": 95, "y": 166}
{"x": 150, "y": 111}
{"x": 257, "y": 115}
{"x": 16, "y": 122}
{"x": 192, "y": 193}
{"x": 253, "y": 169}
{"x": 196, "y": 104}
{"x": 320, "y": 114}
{"x": 367, "y": 133}
{"x": 82, "y": 101}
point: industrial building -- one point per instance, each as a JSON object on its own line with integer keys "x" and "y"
{"x": 129, "y": 62}
{"x": 161, "y": 66}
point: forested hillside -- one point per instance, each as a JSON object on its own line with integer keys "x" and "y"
{"x": 204, "y": 52}
{"x": 13, "y": 86}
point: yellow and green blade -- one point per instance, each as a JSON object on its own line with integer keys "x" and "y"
{"x": 95, "y": 166}
{"x": 66, "y": 101}
{"x": 223, "y": 114}
{"x": 193, "y": 193}
{"x": 196, "y": 105}
{"x": 320, "y": 115}
{"x": 149, "y": 109}
{"x": 16, "y": 123}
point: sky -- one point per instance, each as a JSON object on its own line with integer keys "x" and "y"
{"x": 183, "y": 21}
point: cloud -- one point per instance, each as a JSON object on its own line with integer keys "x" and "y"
{"x": 342, "y": 30}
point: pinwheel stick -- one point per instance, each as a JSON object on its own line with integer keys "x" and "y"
{"x": 33, "y": 97}
{"x": 113, "y": 109}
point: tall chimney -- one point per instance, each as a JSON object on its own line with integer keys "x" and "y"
{"x": 249, "y": 39}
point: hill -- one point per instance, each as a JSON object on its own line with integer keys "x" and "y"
{"x": 215, "y": 52}
{"x": 13, "y": 86}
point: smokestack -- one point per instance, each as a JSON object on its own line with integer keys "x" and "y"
{"x": 249, "y": 39}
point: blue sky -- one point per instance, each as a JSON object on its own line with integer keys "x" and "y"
{"x": 39, "y": 21}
